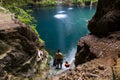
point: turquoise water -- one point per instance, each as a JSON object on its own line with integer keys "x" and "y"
{"x": 62, "y": 27}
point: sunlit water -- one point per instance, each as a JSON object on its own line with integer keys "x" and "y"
{"x": 62, "y": 27}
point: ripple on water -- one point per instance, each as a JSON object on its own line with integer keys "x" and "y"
{"x": 70, "y": 8}
{"x": 60, "y": 12}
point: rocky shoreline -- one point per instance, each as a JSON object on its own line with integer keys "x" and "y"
{"x": 98, "y": 53}
{"x": 96, "y": 59}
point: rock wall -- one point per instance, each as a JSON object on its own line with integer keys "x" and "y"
{"x": 91, "y": 47}
{"x": 102, "y": 43}
{"x": 19, "y": 46}
{"x": 97, "y": 58}
{"x": 106, "y": 18}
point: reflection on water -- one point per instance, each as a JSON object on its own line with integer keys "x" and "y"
{"x": 70, "y": 8}
{"x": 60, "y": 16}
{"x": 60, "y": 12}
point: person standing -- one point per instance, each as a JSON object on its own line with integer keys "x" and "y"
{"x": 59, "y": 59}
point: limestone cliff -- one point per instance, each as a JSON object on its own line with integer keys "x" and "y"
{"x": 19, "y": 46}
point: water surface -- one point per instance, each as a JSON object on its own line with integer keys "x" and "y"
{"x": 62, "y": 27}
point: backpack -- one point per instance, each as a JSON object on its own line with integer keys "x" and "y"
{"x": 59, "y": 56}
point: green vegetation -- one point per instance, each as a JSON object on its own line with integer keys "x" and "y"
{"x": 45, "y": 2}
{"x": 24, "y": 16}
{"x": 8, "y": 3}
{"x": 0, "y": 4}
{"x": 84, "y": 1}
{"x": 34, "y": 28}
{"x": 64, "y": 2}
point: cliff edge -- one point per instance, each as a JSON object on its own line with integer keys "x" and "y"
{"x": 19, "y": 46}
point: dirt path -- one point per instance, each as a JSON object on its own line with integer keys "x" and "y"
{"x": 55, "y": 73}
{"x": 7, "y": 20}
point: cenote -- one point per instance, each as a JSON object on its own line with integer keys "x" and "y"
{"x": 62, "y": 27}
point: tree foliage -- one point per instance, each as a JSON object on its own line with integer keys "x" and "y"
{"x": 83, "y": 1}
{"x": 24, "y": 16}
{"x": 43, "y": 2}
